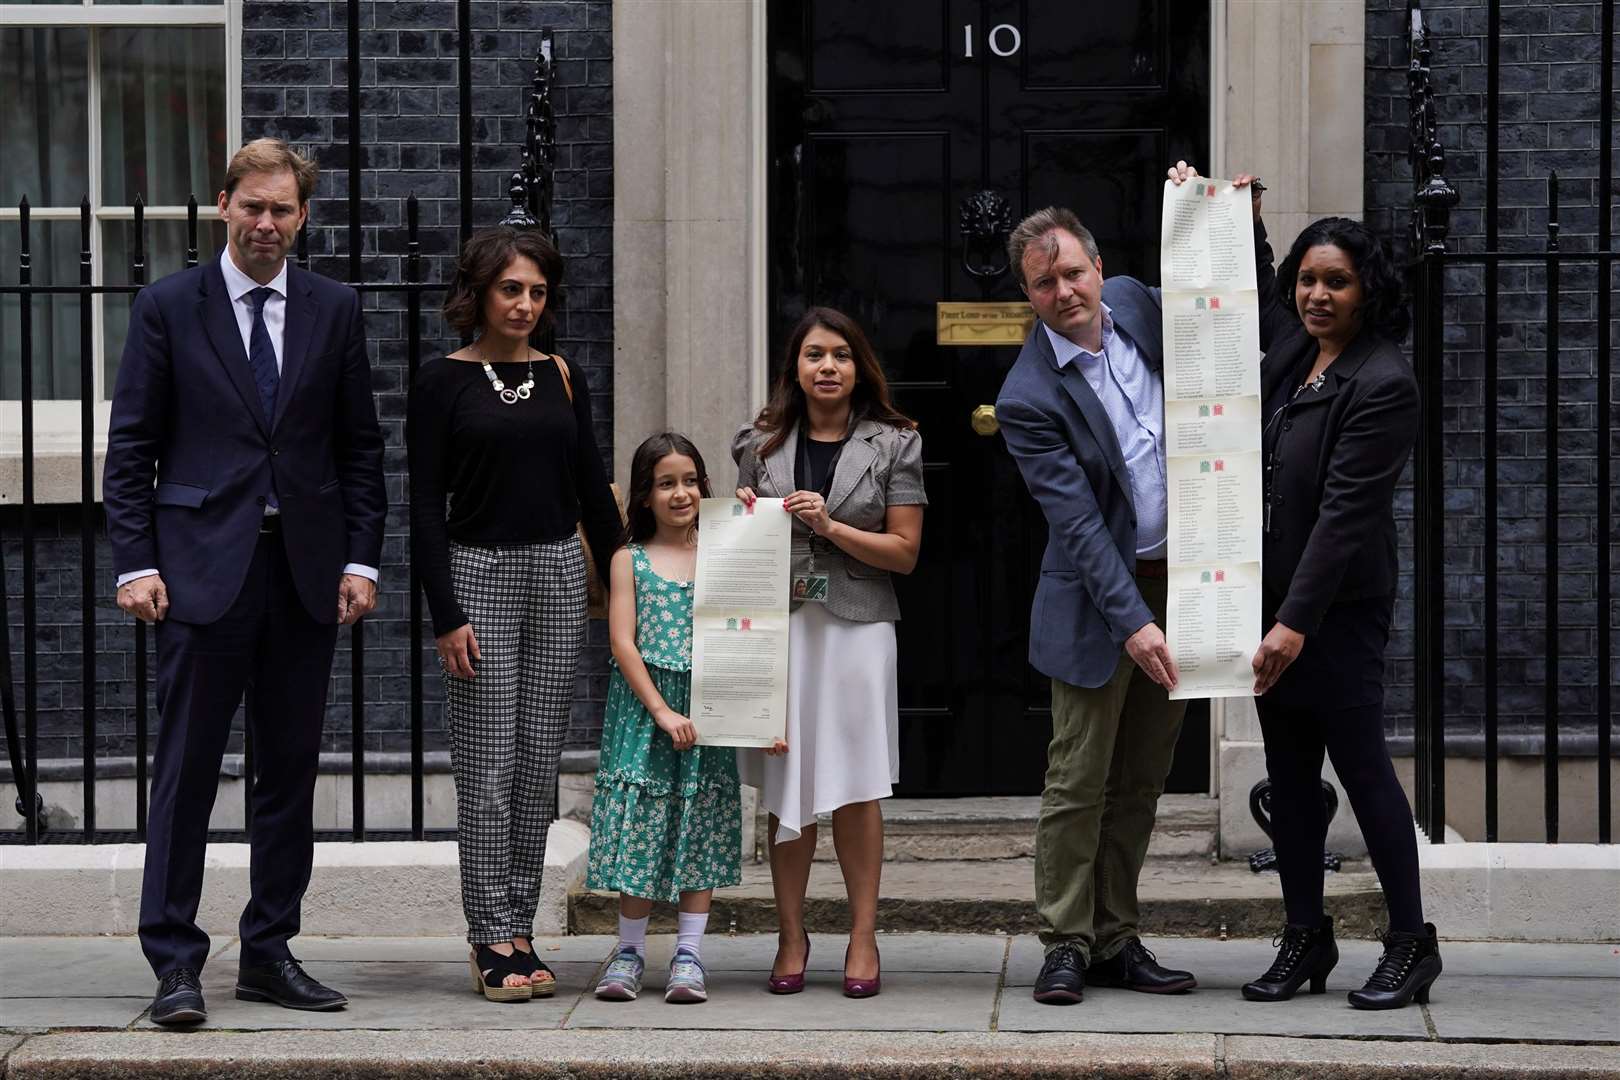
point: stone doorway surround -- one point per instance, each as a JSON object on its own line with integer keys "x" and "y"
{"x": 689, "y": 229}
{"x": 689, "y": 324}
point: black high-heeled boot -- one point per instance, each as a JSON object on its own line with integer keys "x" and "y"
{"x": 1304, "y": 954}
{"x": 1409, "y": 966}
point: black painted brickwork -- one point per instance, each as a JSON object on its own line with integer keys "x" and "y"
{"x": 294, "y": 77}
{"x": 1549, "y": 109}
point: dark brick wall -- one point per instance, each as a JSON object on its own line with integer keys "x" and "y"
{"x": 1549, "y": 109}
{"x": 295, "y": 87}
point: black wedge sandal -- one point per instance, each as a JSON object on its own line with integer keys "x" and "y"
{"x": 542, "y": 983}
{"x": 489, "y": 972}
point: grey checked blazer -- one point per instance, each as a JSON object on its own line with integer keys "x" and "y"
{"x": 881, "y": 466}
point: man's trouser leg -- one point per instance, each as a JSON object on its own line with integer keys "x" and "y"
{"x": 1085, "y": 722}
{"x": 1149, "y": 724}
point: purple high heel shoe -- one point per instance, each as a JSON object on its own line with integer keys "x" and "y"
{"x": 863, "y": 988}
{"x": 792, "y": 984}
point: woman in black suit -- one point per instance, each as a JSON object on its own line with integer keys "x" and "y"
{"x": 1341, "y": 414}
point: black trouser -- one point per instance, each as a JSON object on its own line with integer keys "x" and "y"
{"x": 265, "y": 646}
{"x": 1354, "y": 741}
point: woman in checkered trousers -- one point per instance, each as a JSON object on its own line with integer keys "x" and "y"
{"x": 503, "y": 432}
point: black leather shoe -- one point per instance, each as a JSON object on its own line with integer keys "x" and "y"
{"x": 284, "y": 983}
{"x": 179, "y": 999}
{"x": 1409, "y": 966}
{"x": 1136, "y": 968}
{"x": 1062, "y": 980}
{"x": 1304, "y": 954}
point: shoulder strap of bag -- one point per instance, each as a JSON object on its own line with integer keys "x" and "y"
{"x": 562, "y": 369}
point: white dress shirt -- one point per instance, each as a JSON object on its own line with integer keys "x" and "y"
{"x": 1133, "y": 398}
{"x": 239, "y": 286}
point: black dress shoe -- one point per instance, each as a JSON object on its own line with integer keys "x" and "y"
{"x": 1409, "y": 966}
{"x": 284, "y": 983}
{"x": 179, "y": 999}
{"x": 1062, "y": 980}
{"x": 1136, "y": 968}
{"x": 1304, "y": 954}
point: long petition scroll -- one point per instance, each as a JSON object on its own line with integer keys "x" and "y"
{"x": 1212, "y": 436}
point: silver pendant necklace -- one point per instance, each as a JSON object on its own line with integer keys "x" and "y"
{"x": 511, "y": 397}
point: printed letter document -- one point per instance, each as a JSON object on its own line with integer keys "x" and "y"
{"x": 740, "y": 623}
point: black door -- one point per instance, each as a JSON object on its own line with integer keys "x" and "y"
{"x": 905, "y": 136}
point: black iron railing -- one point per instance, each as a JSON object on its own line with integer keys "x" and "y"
{"x": 1432, "y": 200}
{"x": 531, "y": 192}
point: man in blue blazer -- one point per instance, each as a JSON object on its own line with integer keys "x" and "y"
{"x": 245, "y": 502}
{"x": 1083, "y": 414}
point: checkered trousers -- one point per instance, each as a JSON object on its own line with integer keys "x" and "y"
{"x": 526, "y": 604}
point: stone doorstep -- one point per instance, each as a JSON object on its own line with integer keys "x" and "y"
{"x": 1004, "y": 828}
{"x": 395, "y": 887}
{"x": 1184, "y": 898}
{"x": 676, "y": 1054}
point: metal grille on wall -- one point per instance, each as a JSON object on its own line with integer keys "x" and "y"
{"x": 1433, "y": 199}
{"x": 531, "y": 193}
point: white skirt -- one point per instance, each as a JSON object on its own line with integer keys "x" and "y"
{"x": 843, "y": 721}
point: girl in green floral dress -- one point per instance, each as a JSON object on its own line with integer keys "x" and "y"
{"x": 666, "y": 822}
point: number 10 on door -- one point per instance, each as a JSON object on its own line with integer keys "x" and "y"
{"x": 1003, "y": 40}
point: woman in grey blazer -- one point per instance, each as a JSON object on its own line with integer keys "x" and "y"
{"x": 848, "y": 465}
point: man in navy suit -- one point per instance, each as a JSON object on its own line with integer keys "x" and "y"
{"x": 1082, "y": 411}
{"x": 245, "y": 502}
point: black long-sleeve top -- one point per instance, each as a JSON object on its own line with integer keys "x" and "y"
{"x": 524, "y": 473}
{"x": 1333, "y": 458}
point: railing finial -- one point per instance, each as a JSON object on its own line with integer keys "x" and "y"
{"x": 1432, "y": 195}
{"x": 532, "y": 184}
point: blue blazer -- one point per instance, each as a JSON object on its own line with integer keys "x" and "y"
{"x": 1087, "y": 602}
{"x": 191, "y": 457}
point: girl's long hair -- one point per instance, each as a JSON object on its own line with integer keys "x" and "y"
{"x": 640, "y": 523}
{"x": 870, "y": 400}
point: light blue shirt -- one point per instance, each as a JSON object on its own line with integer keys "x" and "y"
{"x": 1133, "y": 397}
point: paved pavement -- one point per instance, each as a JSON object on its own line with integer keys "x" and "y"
{"x": 976, "y": 985}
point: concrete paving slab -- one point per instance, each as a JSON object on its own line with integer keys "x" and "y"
{"x": 1550, "y": 959}
{"x": 33, "y": 966}
{"x": 1212, "y": 1010}
{"x": 407, "y": 996}
{"x": 901, "y": 952}
{"x": 1228, "y": 963}
{"x": 1256, "y": 1058}
{"x": 40, "y": 1014}
{"x": 721, "y": 952}
{"x": 553, "y": 950}
{"x": 667, "y": 1055}
{"x": 1493, "y": 1007}
{"x": 911, "y": 1001}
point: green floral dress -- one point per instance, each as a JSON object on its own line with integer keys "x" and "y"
{"x": 663, "y": 821}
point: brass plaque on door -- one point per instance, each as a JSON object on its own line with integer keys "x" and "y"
{"x": 969, "y": 322}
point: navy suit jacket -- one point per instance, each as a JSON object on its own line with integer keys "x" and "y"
{"x": 1087, "y": 603}
{"x": 191, "y": 457}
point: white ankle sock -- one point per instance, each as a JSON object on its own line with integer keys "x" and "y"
{"x": 689, "y": 927}
{"x": 633, "y": 935}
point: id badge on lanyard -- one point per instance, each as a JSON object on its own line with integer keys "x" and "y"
{"x": 810, "y": 586}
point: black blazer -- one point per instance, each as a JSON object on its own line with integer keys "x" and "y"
{"x": 1339, "y": 454}
{"x": 186, "y": 416}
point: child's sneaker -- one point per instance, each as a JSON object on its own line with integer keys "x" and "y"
{"x": 686, "y": 979}
{"x": 622, "y": 979}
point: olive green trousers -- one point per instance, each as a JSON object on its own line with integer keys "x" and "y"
{"x": 1105, "y": 769}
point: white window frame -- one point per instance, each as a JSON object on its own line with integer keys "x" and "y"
{"x": 57, "y": 430}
